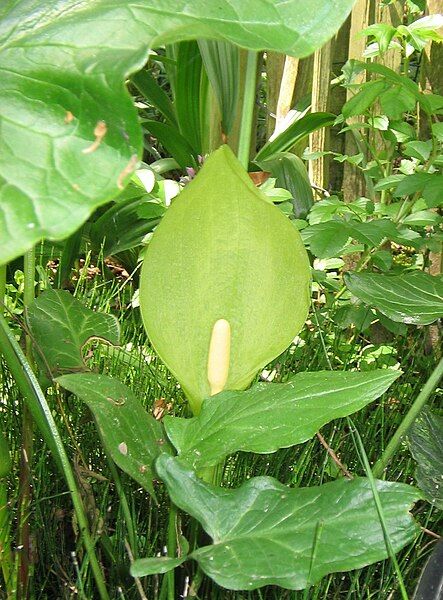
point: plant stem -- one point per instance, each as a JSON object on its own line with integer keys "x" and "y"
{"x": 244, "y": 142}
{"x": 408, "y": 419}
{"x": 2, "y": 285}
{"x": 41, "y": 412}
{"x": 389, "y": 548}
{"x": 172, "y": 548}
{"x": 25, "y": 495}
{"x": 6, "y": 561}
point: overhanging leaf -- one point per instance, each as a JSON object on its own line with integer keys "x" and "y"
{"x": 265, "y": 533}
{"x": 412, "y": 298}
{"x": 426, "y": 443}
{"x": 69, "y": 130}
{"x": 223, "y": 251}
{"x": 131, "y": 437}
{"x": 273, "y": 415}
{"x": 61, "y": 326}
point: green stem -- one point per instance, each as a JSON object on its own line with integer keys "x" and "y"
{"x": 389, "y": 548}
{"x": 244, "y": 142}
{"x": 27, "y": 445}
{"x": 2, "y": 285}
{"x": 6, "y": 561}
{"x": 172, "y": 548}
{"x": 41, "y": 412}
{"x": 125, "y": 507}
{"x": 409, "y": 419}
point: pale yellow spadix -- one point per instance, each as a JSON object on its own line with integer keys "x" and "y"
{"x": 218, "y": 357}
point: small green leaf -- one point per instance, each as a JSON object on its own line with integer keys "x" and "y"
{"x": 61, "y": 326}
{"x": 426, "y": 443}
{"x": 326, "y": 239}
{"x": 270, "y": 416}
{"x": 131, "y": 437}
{"x": 371, "y": 233}
{"x": 233, "y": 256}
{"x": 412, "y": 298}
{"x": 368, "y": 94}
{"x": 291, "y": 174}
{"x": 154, "y": 565}
{"x": 265, "y": 533}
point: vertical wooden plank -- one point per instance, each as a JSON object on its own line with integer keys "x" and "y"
{"x": 431, "y": 81}
{"x": 275, "y": 63}
{"x": 318, "y": 141}
{"x": 337, "y": 99}
{"x": 286, "y": 93}
{"x": 363, "y": 15}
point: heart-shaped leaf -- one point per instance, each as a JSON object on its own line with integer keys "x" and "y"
{"x": 222, "y": 251}
{"x": 265, "y": 533}
{"x": 69, "y": 130}
{"x": 60, "y": 325}
{"x": 270, "y": 416}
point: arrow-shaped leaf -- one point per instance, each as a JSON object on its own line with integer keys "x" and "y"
{"x": 265, "y": 533}
{"x": 270, "y": 416}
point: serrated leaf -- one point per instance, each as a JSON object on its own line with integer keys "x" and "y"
{"x": 265, "y": 533}
{"x": 411, "y": 298}
{"x": 270, "y": 416}
{"x": 61, "y": 325}
{"x": 426, "y": 444}
{"x": 233, "y": 255}
{"x": 70, "y": 136}
{"x": 131, "y": 437}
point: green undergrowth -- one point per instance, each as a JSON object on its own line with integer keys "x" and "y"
{"x": 60, "y": 569}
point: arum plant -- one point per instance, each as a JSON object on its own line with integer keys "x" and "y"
{"x": 224, "y": 290}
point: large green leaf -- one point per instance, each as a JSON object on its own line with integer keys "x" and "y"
{"x": 265, "y": 533}
{"x": 131, "y": 437}
{"x": 273, "y": 415}
{"x": 60, "y": 326}
{"x": 222, "y": 251}
{"x": 426, "y": 443}
{"x": 62, "y": 70}
{"x": 412, "y": 298}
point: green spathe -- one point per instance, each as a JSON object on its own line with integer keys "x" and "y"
{"x": 223, "y": 251}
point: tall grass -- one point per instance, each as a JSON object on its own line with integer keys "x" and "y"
{"x": 60, "y": 568}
